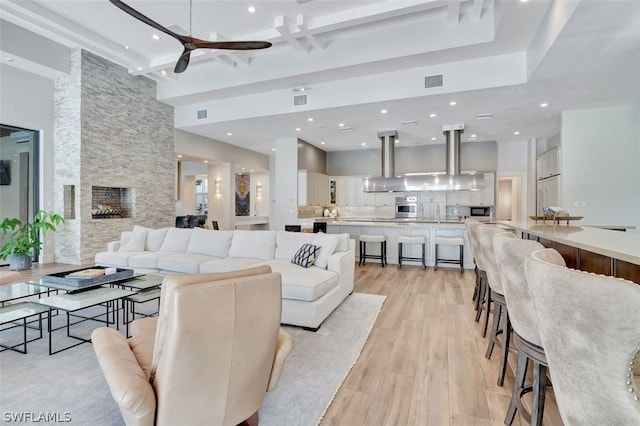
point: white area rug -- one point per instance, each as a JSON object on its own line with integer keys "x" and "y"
{"x": 70, "y": 384}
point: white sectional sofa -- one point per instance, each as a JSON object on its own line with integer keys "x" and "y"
{"x": 309, "y": 295}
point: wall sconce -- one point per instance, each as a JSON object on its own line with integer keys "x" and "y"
{"x": 259, "y": 192}
{"x": 217, "y": 188}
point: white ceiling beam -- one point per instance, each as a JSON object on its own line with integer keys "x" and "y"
{"x": 453, "y": 13}
{"x": 301, "y": 24}
{"x": 226, "y": 61}
{"x": 282, "y": 24}
{"x": 476, "y": 10}
{"x": 234, "y": 55}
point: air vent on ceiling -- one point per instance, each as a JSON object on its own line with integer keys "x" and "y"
{"x": 484, "y": 116}
{"x": 299, "y": 100}
{"x": 202, "y": 114}
{"x": 409, "y": 123}
{"x": 431, "y": 81}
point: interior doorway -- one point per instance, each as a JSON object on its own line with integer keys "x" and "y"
{"x": 19, "y": 165}
{"x": 510, "y": 198}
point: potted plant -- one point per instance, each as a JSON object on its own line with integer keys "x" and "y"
{"x": 24, "y": 238}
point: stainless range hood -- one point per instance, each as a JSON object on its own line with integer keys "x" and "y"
{"x": 453, "y": 180}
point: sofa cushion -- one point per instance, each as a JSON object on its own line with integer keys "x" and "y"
{"x": 177, "y": 240}
{"x": 133, "y": 241}
{"x": 209, "y": 242}
{"x": 253, "y": 244}
{"x": 186, "y": 263}
{"x": 229, "y": 264}
{"x": 327, "y": 245}
{"x": 343, "y": 242}
{"x": 115, "y": 258}
{"x": 148, "y": 260}
{"x": 288, "y": 243}
{"x": 306, "y": 255}
{"x": 303, "y": 284}
{"x": 155, "y": 237}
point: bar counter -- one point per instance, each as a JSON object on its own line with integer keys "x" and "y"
{"x": 600, "y": 251}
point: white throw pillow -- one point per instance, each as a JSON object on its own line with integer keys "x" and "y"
{"x": 327, "y": 245}
{"x": 177, "y": 240}
{"x": 306, "y": 255}
{"x": 210, "y": 242}
{"x": 253, "y": 244}
{"x": 288, "y": 243}
{"x": 155, "y": 237}
{"x": 133, "y": 241}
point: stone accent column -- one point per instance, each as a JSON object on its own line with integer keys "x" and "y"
{"x": 110, "y": 131}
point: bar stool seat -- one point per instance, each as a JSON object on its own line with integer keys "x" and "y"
{"x": 450, "y": 241}
{"x": 418, "y": 239}
{"x": 382, "y": 239}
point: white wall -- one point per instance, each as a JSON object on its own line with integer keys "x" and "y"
{"x": 600, "y": 165}
{"x": 27, "y": 101}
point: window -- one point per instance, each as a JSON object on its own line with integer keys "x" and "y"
{"x": 202, "y": 194}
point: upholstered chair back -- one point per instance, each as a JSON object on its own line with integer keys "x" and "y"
{"x": 472, "y": 240}
{"x": 215, "y": 346}
{"x": 590, "y": 328}
{"x": 486, "y": 253}
{"x": 510, "y": 255}
{"x": 472, "y": 231}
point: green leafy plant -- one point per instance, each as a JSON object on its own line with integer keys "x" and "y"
{"x": 24, "y": 236}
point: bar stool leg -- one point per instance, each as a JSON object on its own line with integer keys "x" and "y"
{"x": 364, "y": 253}
{"x": 505, "y": 349}
{"x": 399, "y": 255}
{"x": 360, "y": 260}
{"x": 385, "y": 254}
{"x": 495, "y": 327}
{"x": 488, "y": 310}
{"x": 435, "y": 265}
{"x": 424, "y": 250}
{"x": 462, "y": 259}
{"x": 518, "y": 384}
{"x": 382, "y": 253}
{"x": 539, "y": 392}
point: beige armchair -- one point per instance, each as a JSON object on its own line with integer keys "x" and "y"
{"x": 208, "y": 358}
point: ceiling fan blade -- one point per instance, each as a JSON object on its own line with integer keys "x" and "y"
{"x": 231, "y": 45}
{"x": 182, "y": 63}
{"x": 140, "y": 17}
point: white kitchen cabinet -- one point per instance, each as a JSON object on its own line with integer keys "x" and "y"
{"x": 548, "y": 193}
{"x": 548, "y": 163}
{"x": 432, "y": 211}
{"x": 386, "y": 198}
{"x": 432, "y": 197}
{"x": 460, "y": 198}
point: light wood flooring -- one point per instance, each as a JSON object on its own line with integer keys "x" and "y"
{"x": 424, "y": 362}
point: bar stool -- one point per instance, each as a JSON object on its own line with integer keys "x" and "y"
{"x": 449, "y": 241}
{"x": 412, "y": 240}
{"x": 382, "y": 239}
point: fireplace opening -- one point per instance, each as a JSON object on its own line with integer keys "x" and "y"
{"x": 112, "y": 203}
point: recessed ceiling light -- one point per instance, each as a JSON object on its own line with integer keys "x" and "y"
{"x": 273, "y": 149}
{"x": 229, "y": 134}
{"x": 164, "y": 72}
{"x": 127, "y": 47}
{"x": 544, "y": 105}
{"x": 155, "y": 37}
{"x": 363, "y": 143}
{"x": 473, "y": 136}
{"x": 523, "y": 1}
{"x": 397, "y": 141}
{"x": 341, "y": 125}
{"x": 384, "y": 111}
{"x": 206, "y": 161}
{"x": 516, "y": 133}
{"x": 251, "y": 170}
{"x": 322, "y": 143}
{"x": 243, "y": 168}
{"x": 433, "y": 139}
{"x": 432, "y": 115}
{"x": 452, "y": 103}
{"x": 10, "y": 59}
{"x": 251, "y": 9}
{"x": 297, "y": 129}
{"x": 179, "y": 156}
{"x": 310, "y": 119}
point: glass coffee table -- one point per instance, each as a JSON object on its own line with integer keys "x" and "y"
{"x": 71, "y": 303}
{"x": 16, "y": 312}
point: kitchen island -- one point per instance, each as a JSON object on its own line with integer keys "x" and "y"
{"x": 600, "y": 251}
{"x": 393, "y": 228}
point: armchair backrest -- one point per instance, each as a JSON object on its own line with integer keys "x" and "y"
{"x": 215, "y": 345}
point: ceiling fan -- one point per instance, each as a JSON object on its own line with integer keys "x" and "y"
{"x": 190, "y": 43}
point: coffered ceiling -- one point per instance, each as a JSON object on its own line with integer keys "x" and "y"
{"x": 354, "y": 59}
